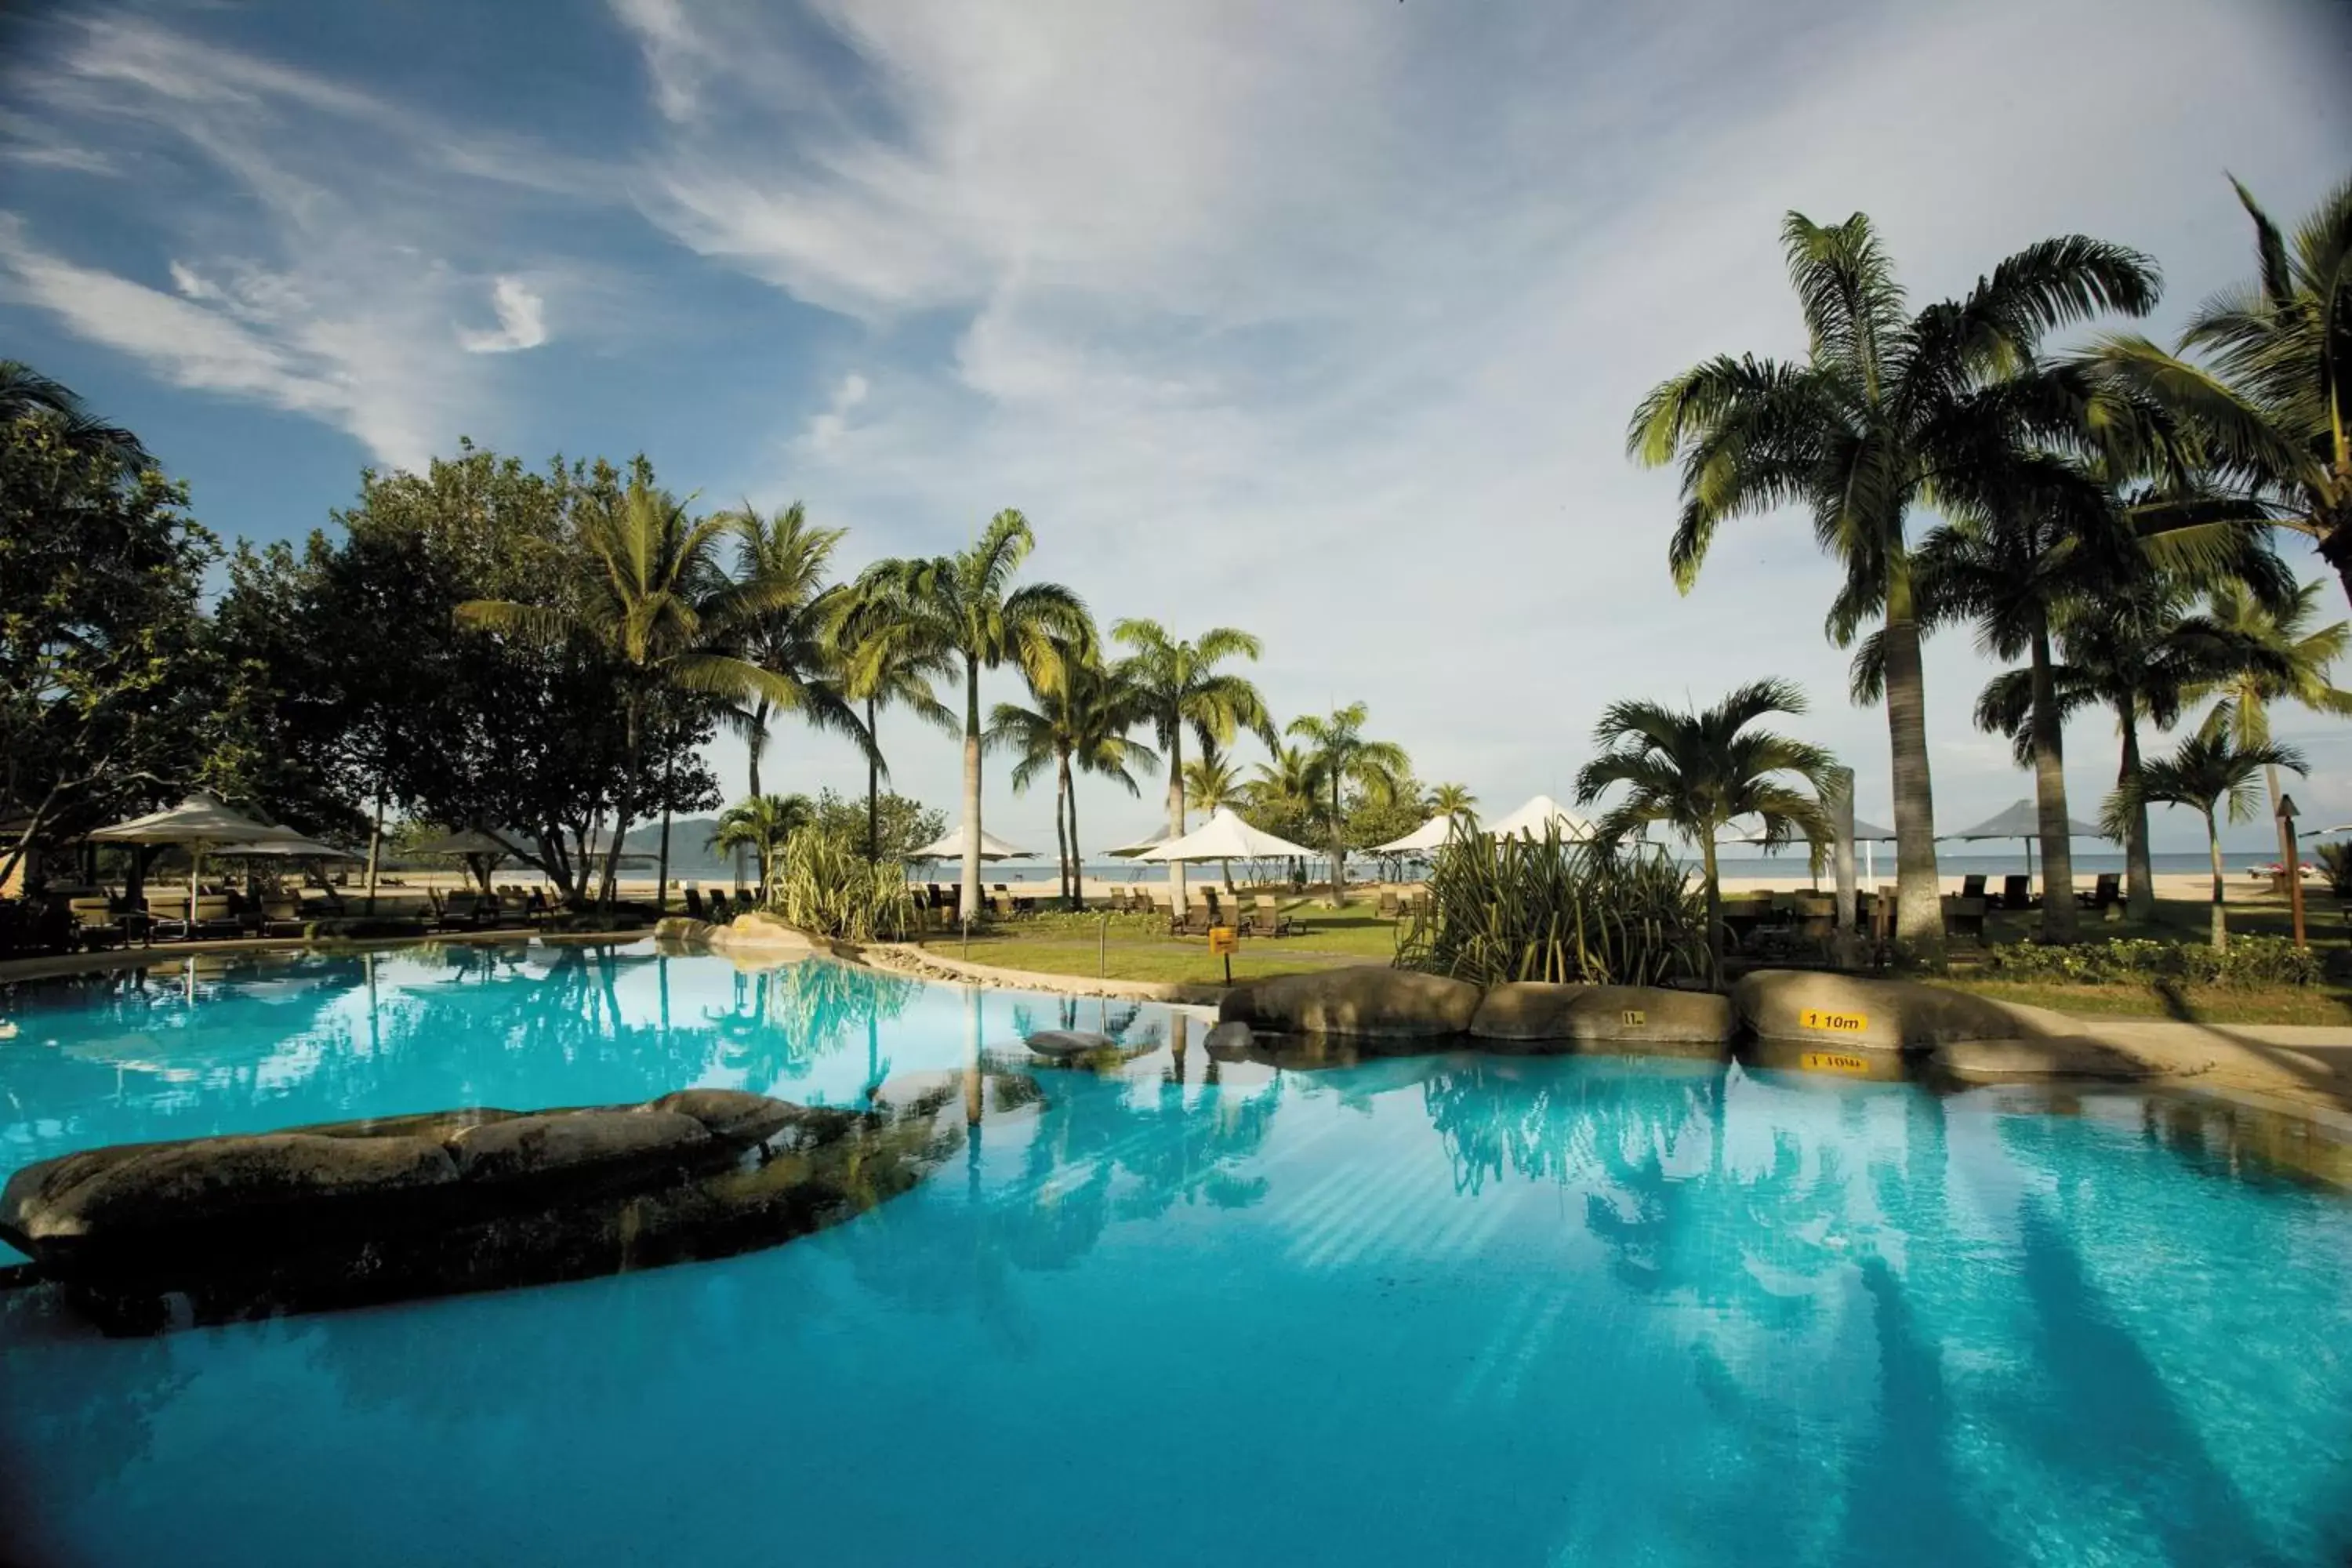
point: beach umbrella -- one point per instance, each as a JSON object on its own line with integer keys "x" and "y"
{"x": 293, "y": 848}
{"x": 950, "y": 846}
{"x": 2021, "y": 819}
{"x": 1135, "y": 850}
{"x": 1430, "y": 836}
{"x": 1532, "y": 818}
{"x": 200, "y": 822}
{"x": 1225, "y": 836}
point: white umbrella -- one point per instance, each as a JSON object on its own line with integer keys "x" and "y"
{"x": 1431, "y": 834}
{"x": 1135, "y": 851}
{"x": 298, "y": 847}
{"x": 199, "y": 821}
{"x": 950, "y": 847}
{"x": 1224, "y": 836}
{"x": 1535, "y": 816}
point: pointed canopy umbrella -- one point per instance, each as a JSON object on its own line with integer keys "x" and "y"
{"x": 200, "y": 821}
{"x": 950, "y": 846}
{"x": 297, "y": 848}
{"x": 1224, "y": 836}
{"x": 1431, "y": 834}
{"x": 2021, "y": 819}
{"x": 1135, "y": 851}
{"x": 1534, "y": 816}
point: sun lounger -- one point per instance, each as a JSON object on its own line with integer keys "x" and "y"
{"x": 2016, "y": 892}
{"x": 461, "y": 912}
{"x": 1390, "y": 909}
{"x": 1964, "y": 918}
{"x": 1972, "y": 886}
{"x": 96, "y": 924}
{"x": 695, "y": 908}
{"x": 2109, "y": 890}
{"x": 214, "y": 918}
{"x": 1266, "y": 920}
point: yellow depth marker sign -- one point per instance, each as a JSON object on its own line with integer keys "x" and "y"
{"x": 1835, "y": 1022}
{"x": 1632, "y": 1017}
{"x": 1835, "y": 1061}
{"x": 1223, "y": 939}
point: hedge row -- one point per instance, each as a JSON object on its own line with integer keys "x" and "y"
{"x": 2247, "y": 960}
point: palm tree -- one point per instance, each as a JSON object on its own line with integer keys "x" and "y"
{"x": 26, "y": 394}
{"x": 763, "y": 824}
{"x": 1862, "y": 432}
{"x": 1342, "y": 755}
{"x": 1281, "y": 796}
{"x": 1696, "y": 772}
{"x": 960, "y": 603}
{"x": 2209, "y": 771}
{"x": 1080, "y": 710}
{"x": 2271, "y": 391}
{"x": 1456, "y": 802}
{"x": 1104, "y": 708}
{"x": 2296, "y": 671}
{"x": 887, "y": 659}
{"x": 1182, "y": 688}
{"x": 1211, "y": 784}
{"x": 794, "y": 635}
{"x": 652, "y": 598}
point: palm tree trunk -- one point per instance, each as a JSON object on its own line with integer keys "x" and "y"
{"x": 2058, "y": 920}
{"x": 2221, "y": 919}
{"x": 873, "y": 792}
{"x": 2139, "y": 869}
{"x": 1339, "y": 849}
{"x": 661, "y": 871}
{"x": 1714, "y": 907}
{"x": 1077, "y": 860}
{"x": 1918, "y": 902}
{"x": 622, "y": 805}
{"x": 1062, "y": 821}
{"x": 968, "y": 903}
{"x": 1176, "y": 813}
{"x": 754, "y": 743}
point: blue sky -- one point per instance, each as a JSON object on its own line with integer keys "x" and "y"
{"x": 1322, "y": 319}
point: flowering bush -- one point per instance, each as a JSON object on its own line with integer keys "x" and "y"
{"x": 2247, "y": 960}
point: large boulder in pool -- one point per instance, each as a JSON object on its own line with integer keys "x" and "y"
{"x": 209, "y": 1191}
{"x": 1844, "y": 1011}
{"x": 733, "y": 1116}
{"x": 1363, "y": 1002}
{"x": 569, "y": 1142}
{"x": 1605, "y": 1018}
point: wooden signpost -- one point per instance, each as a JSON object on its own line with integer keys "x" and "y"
{"x": 1223, "y": 943}
{"x": 2291, "y": 862}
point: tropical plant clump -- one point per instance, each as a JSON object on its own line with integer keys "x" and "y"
{"x": 826, "y": 884}
{"x": 1556, "y": 909}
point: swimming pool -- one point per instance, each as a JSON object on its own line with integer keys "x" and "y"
{"x": 1447, "y": 1308}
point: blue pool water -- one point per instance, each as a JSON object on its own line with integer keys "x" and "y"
{"x": 1445, "y": 1309}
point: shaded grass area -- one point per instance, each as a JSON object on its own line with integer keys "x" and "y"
{"x": 2324, "y": 1005}
{"x": 1138, "y": 947}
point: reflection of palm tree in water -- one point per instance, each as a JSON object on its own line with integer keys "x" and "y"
{"x": 784, "y": 1021}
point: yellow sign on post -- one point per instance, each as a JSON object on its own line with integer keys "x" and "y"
{"x": 1223, "y": 941}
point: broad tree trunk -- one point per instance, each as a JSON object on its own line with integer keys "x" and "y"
{"x": 2221, "y": 919}
{"x": 1918, "y": 903}
{"x": 968, "y": 901}
{"x": 622, "y": 805}
{"x": 2058, "y": 920}
{"x": 1176, "y": 814}
{"x": 1714, "y": 908}
{"x": 2139, "y": 871}
{"x": 375, "y": 850}
{"x": 872, "y": 792}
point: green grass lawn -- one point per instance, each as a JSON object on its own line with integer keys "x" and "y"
{"x": 1138, "y": 947}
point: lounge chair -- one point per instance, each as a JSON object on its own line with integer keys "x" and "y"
{"x": 2110, "y": 890}
{"x": 2017, "y": 892}
{"x": 720, "y": 910}
{"x": 214, "y": 918}
{"x": 461, "y": 912}
{"x": 1265, "y": 919}
{"x": 281, "y": 915}
{"x": 96, "y": 925}
{"x": 1390, "y": 907}
{"x": 695, "y": 908}
{"x": 1195, "y": 921}
{"x": 1964, "y": 918}
{"x": 1972, "y": 886}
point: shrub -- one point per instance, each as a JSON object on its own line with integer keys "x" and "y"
{"x": 2248, "y": 961}
{"x": 826, "y": 885}
{"x": 2336, "y": 860}
{"x": 1558, "y": 910}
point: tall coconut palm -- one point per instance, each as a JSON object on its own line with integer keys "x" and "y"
{"x": 794, "y": 636}
{"x": 2296, "y": 669}
{"x": 965, "y": 604}
{"x": 1183, "y": 688}
{"x": 651, "y": 597}
{"x": 1342, "y": 756}
{"x": 1454, "y": 802}
{"x": 1859, "y": 433}
{"x": 1077, "y": 707}
{"x": 1281, "y": 795}
{"x": 2265, "y": 375}
{"x": 1696, "y": 772}
{"x": 762, "y": 824}
{"x": 1104, "y": 708}
{"x": 888, "y": 659}
{"x": 1210, "y": 785}
{"x": 2209, "y": 772}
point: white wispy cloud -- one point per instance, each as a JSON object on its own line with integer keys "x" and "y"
{"x": 348, "y": 278}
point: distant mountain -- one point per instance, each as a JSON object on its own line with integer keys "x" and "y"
{"x": 688, "y": 860}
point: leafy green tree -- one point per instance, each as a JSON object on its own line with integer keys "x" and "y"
{"x": 656, "y": 604}
{"x": 899, "y": 825}
{"x": 1183, "y": 689}
{"x": 2262, "y": 376}
{"x": 2210, "y": 772}
{"x": 1881, "y": 417}
{"x": 2296, "y": 668}
{"x": 100, "y": 629}
{"x": 794, "y": 635}
{"x": 1343, "y": 756}
{"x": 1281, "y": 796}
{"x": 1105, "y": 710}
{"x": 1698, "y": 772}
{"x": 1454, "y": 801}
{"x": 763, "y": 824}
{"x": 964, "y": 603}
